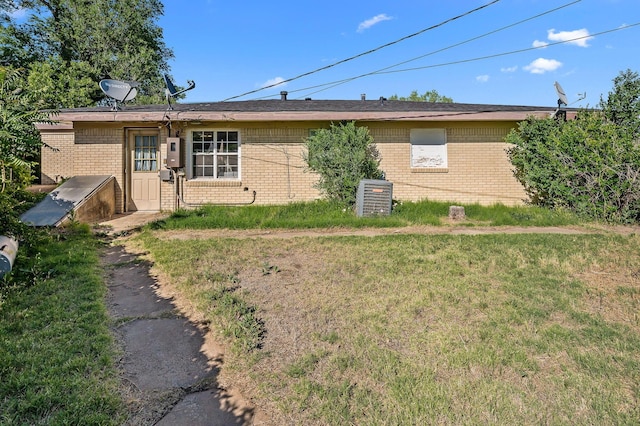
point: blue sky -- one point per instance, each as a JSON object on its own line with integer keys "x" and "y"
{"x": 231, "y": 48}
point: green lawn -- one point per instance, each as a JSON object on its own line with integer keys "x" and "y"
{"x": 392, "y": 329}
{"x": 419, "y": 329}
{"x": 56, "y": 352}
{"x": 321, "y": 214}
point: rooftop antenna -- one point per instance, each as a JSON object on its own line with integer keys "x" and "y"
{"x": 581, "y": 96}
{"x": 172, "y": 92}
{"x": 119, "y": 91}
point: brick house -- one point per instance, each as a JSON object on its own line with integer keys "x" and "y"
{"x": 252, "y": 151}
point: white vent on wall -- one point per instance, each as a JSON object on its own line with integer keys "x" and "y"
{"x": 374, "y": 197}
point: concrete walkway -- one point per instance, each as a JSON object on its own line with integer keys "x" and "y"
{"x": 125, "y": 222}
{"x": 167, "y": 377}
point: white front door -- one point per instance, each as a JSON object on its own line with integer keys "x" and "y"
{"x": 144, "y": 154}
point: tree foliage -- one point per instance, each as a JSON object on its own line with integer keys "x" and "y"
{"x": 622, "y": 107}
{"x": 590, "y": 165}
{"x": 429, "y": 96}
{"x": 19, "y": 147}
{"x": 69, "y": 45}
{"x": 19, "y": 138}
{"x": 342, "y": 155}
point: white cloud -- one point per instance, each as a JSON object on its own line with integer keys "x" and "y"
{"x": 581, "y": 35}
{"x": 18, "y": 14}
{"x": 373, "y": 21}
{"x": 509, "y": 69}
{"x": 274, "y": 82}
{"x": 538, "y": 43}
{"x": 482, "y": 78}
{"x": 542, "y": 65}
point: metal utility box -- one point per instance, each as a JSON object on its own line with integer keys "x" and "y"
{"x": 374, "y": 197}
{"x": 165, "y": 175}
{"x": 174, "y": 157}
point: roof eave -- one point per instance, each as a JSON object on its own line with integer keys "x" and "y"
{"x": 247, "y": 116}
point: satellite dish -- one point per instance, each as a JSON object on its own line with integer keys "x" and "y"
{"x": 171, "y": 91}
{"x": 562, "y": 97}
{"x": 119, "y": 91}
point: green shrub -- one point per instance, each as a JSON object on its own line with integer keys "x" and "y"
{"x": 588, "y": 165}
{"x": 342, "y": 155}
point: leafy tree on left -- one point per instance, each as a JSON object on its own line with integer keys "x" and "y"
{"x": 53, "y": 57}
{"x": 19, "y": 147}
{"x": 68, "y": 46}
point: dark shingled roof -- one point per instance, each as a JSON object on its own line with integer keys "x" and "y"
{"x": 321, "y": 106}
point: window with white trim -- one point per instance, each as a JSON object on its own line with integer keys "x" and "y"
{"x": 429, "y": 148}
{"x": 215, "y": 154}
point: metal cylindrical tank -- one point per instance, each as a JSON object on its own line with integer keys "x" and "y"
{"x": 8, "y": 251}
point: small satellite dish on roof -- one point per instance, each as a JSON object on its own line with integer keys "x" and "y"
{"x": 172, "y": 92}
{"x": 119, "y": 91}
{"x": 562, "y": 97}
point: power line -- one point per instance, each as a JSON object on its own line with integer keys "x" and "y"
{"x": 496, "y": 55}
{"x": 380, "y": 71}
{"x": 513, "y": 52}
{"x": 367, "y": 52}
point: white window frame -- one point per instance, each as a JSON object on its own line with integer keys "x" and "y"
{"x": 429, "y": 149}
{"x": 217, "y": 155}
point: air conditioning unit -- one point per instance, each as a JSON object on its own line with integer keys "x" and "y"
{"x": 374, "y": 197}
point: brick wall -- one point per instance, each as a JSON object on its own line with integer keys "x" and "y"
{"x": 272, "y": 164}
{"x": 56, "y": 161}
{"x": 98, "y": 151}
{"x": 478, "y": 170}
{"x": 85, "y": 150}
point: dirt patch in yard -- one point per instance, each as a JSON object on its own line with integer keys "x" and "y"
{"x": 283, "y": 290}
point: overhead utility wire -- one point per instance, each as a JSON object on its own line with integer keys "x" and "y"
{"x": 367, "y": 52}
{"x": 513, "y": 52}
{"x": 497, "y": 108}
{"x": 347, "y": 80}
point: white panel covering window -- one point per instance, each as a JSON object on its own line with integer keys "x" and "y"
{"x": 429, "y": 148}
{"x": 215, "y": 154}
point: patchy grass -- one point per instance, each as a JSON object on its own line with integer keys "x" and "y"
{"x": 56, "y": 353}
{"x": 416, "y": 329}
{"x": 322, "y": 214}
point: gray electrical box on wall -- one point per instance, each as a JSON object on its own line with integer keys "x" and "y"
{"x": 174, "y": 159}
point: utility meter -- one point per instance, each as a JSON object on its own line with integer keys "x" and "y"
{"x": 174, "y": 158}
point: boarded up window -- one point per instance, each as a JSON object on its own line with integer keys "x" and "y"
{"x": 429, "y": 148}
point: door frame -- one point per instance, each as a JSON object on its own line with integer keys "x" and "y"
{"x": 129, "y": 145}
